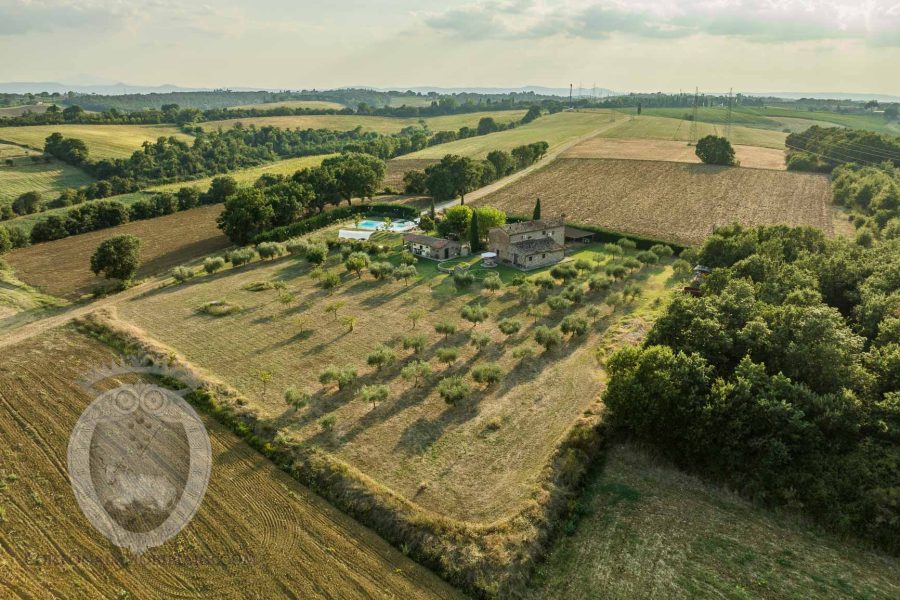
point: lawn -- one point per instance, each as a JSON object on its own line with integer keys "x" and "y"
{"x": 103, "y": 141}
{"x": 479, "y": 461}
{"x": 667, "y": 200}
{"x": 369, "y": 123}
{"x": 62, "y": 267}
{"x": 258, "y": 533}
{"x": 556, "y": 130}
{"x": 27, "y": 176}
{"x": 650, "y": 531}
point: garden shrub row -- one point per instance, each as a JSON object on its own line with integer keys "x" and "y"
{"x": 310, "y": 224}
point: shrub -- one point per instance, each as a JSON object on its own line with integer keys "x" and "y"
{"x": 584, "y": 264}
{"x": 445, "y": 327}
{"x": 408, "y": 258}
{"x": 328, "y": 281}
{"x": 632, "y": 291}
{"x": 479, "y": 339}
{"x": 523, "y": 352}
{"x": 647, "y": 257}
{"x": 612, "y": 248}
{"x": 18, "y": 237}
{"x": 182, "y": 274}
{"x": 355, "y": 262}
{"x": 487, "y": 374}
{"x": 632, "y": 263}
{"x": 627, "y": 244}
{"x": 615, "y": 299}
{"x": 117, "y": 257}
{"x": 416, "y": 371}
{"x": 492, "y": 282}
{"x": 240, "y": 257}
{"x": 662, "y": 250}
{"x": 382, "y": 270}
{"x": 617, "y": 271}
{"x": 343, "y": 377}
{"x": 574, "y": 292}
{"x": 218, "y": 308}
{"x": 416, "y": 343}
{"x": 565, "y": 271}
{"x": 599, "y": 283}
{"x": 447, "y": 355}
{"x": 544, "y": 281}
{"x": 474, "y": 313}
{"x": 213, "y": 264}
{"x": 546, "y": 337}
{"x": 510, "y": 326}
{"x": 269, "y": 250}
{"x": 296, "y": 398}
{"x": 558, "y": 303}
{"x": 328, "y": 422}
{"x": 5, "y": 242}
{"x": 406, "y": 272}
{"x": 296, "y": 246}
{"x": 381, "y": 357}
{"x": 454, "y": 389}
{"x": 574, "y": 325}
{"x": 681, "y": 266}
{"x": 316, "y": 253}
{"x": 463, "y": 280}
{"x": 374, "y": 393}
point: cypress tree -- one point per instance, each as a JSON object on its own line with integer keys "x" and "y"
{"x": 537, "y": 210}
{"x": 433, "y": 212}
{"x": 474, "y": 239}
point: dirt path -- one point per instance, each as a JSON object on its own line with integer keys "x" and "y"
{"x": 501, "y": 183}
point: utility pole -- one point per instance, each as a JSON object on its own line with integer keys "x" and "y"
{"x": 571, "y": 104}
{"x": 728, "y": 117}
{"x": 694, "y": 137}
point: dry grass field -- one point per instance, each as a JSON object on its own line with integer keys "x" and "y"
{"x": 397, "y": 168}
{"x": 667, "y": 200}
{"x": 369, "y": 123}
{"x": 26, "y": 176}
{"x": 477, "y": 462}
{"x": 62, "y": 267}
{"x": 316, "y": 104}
{"x": 103, "y": 141}
{"x": 556, "y": 130}
{"x": 17, "y": 111}
{"x": 651, "y": 531}
{"x": 248, "y": 176}
{"x": 258, "y": 533}
{"x": 667, "y": 150}
{"x": 663, "y": 128}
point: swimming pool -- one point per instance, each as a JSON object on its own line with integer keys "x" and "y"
{"x": 373, "y": 225}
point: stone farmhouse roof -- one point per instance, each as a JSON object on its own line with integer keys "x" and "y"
{"x": 539, "y": 225}
{"x": 428, "y": 240}
{"x": 536, "y": 246}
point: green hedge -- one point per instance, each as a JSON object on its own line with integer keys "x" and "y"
{"x": 310, "y": 224}
{"x": 609, "y": 236}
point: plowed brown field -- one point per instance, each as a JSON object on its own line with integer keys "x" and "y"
{"x": 599, "y": 147}
{"x": 668, "y": 200}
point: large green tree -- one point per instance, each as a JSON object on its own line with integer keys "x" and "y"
{"x": 247, "y": 214}
{"x": 357, "y": 175}
{"x": 118, "y": 257}
{"x": 715, "y": 150}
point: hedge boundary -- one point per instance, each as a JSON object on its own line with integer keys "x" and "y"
{"x": 610, "y": 236}
{"x": 324, "y": 219}
{"x": 486, "y": 560}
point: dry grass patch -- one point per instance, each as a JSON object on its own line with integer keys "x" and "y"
{"x": 62, "y": 267}
{"x": 257, "y": 533}
{"x": 666, "y": 200}
{"x": 103, "y": 141}
{"x": 667, "y": 150}
{"x": 471, "y": 470}
{"x": 650, "y": 531}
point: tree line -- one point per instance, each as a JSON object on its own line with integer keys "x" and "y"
{"x": 872, "y": 195}
{"x": 822, "y": 149}
{"x": 782, "y": 379}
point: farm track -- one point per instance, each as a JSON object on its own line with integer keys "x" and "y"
{"x": 258, "y": 533}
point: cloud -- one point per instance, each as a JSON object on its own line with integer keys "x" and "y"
{"x": 18, "y": 17}
{"x": 873, "y": 21}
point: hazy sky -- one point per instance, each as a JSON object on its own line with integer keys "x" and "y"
{"x": 627, "y": 45}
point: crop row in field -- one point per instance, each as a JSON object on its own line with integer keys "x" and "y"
{"x": 667, "y": 150}
{"x": 369, "y": 123}
{"x": 103, "y": 141}
{"x": 667, "y": 200}
{"x": 62, "y": 267}
{"x": 478, "y": 461}
{"x": 257, "y": 533}
{"x": 650, "y": 530}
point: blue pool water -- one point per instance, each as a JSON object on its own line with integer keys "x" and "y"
{"x": 372, "y": 225}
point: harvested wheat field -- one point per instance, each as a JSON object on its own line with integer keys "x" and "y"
{"x": 651, "y": 531}
{"x": 397, "y": 168}
{"x": 666, "y": 200}
{"x": 478, "y": 461}
{"x": 103, "y": 141}
{"x": 62, "y": 267}
{"x": 257, "y": 534}
{"x": 667, "y": 150}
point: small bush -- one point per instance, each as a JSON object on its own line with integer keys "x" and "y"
{"x": 296, "y": 246}
{"x": 599, "y": 283}
{"x": 632, "y": 263}
{"x": 328, "y": 281}
{"x": 416, "y": 343}
{"x": 574, "y": 292}
{"x": 510, "y": 326}
{"x": 454, "y": 389}
{"x": 584, "y": 264}
{"x": 381, "y": 357}
{"x": 374, "y": 393}
{"x": 565, "y": 271}
{"x": 241, "y": 256}
{"x": 617, "y": 271}
{"x": 258, "y": 286}
{"x": 574, "y": 325}
{"x": 445, "y": 327}
{"x": 328, "y": 422}
{"x": 523, "y": 352}
{"x": 662, "y": 250}
{"x": 479, "y": 339}
{"x": 213, "y": 264}
{"x": 182, "y": 274}
{"x": 627, "y": 244}
{"x": 218, "y": 308}
{"x": 647, "y": 257}
{"x": 612, "y": 249}
{"x": 548, "y": 338}
{"x": 544, "y": 281}
{"x": 681, "y": 266}
{"x": 474, "y": 313}
{"x": 316, "y": 254}
{"x": 382, "y": 271}
{"x": 295, "y": 398}
{"x": 463, "y": 280}
{"x": 447, "y": 355}
{"x": 558, "y": 303}
{"x": 492, "y": 282}
{"x": 270, "y": 250}
{"x": 487, "y": 374}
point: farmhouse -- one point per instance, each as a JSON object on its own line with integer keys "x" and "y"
{"x": 529, "y": 244}
{"x": 434, "y": 248}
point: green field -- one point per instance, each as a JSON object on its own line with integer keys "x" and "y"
{"x": 556, "y": 130}
{"x": 27, "y": 222}
{"x": 369, "y": 123}
{"x": 26, "y": 176}
{"x": 664, "y": 128}
{"x": 246, "y": 176}
{"x": 315, "y": 104}
{"x": 103, "y": 141}
{"x": 16, "y": 111}
{"x": 418, "y": 101}
{"x": 650, "y": 531}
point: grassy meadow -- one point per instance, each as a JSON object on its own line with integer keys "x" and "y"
{"x": 256, "y": 534}
{"x": 24, "y": 175}
{"x": 664, "y": 128}
{"x": 103, "y": 141}
{"x": 668, "y": 200}
{"x": 378, "y": 124}
{"x": 312, "y": 104}
{"x": 648, "y": 530}
{"x": 247, "y": 176}
{"x": 478, "y": 461}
